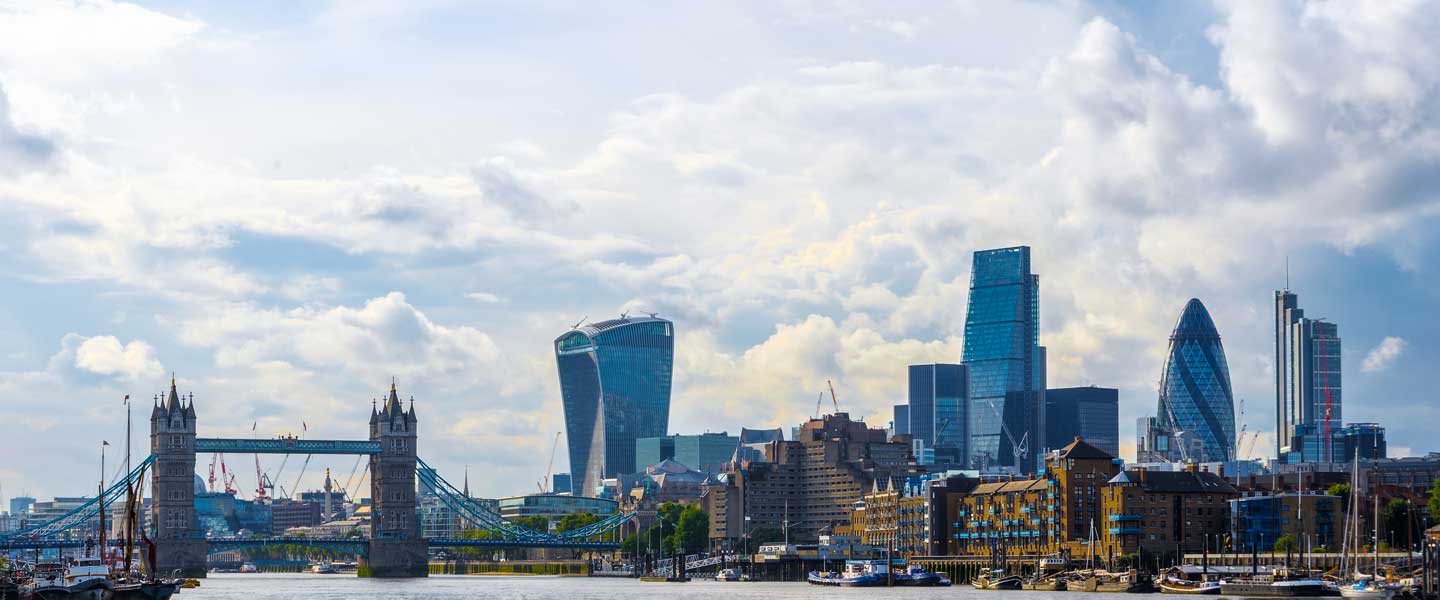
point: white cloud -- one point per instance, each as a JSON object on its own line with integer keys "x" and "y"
{"x": 1382, "y": 356}
{"x": 484, "y": 297}
{"x": 107, "y": 356}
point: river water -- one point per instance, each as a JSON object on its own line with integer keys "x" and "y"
{"x": 306, "y": 586}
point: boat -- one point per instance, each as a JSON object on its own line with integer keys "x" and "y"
{"x": 1368, "y": 588}
{"x": 1131, "y": 582}
{"x": 727, "y": 575}
{"x": 145, "y": 590}
{"x": 323, "y": 568}
{"x": 1173, "y": 585}
{"x": 917, "y": 576}
{"x": 856, "y": 574}
{"x": 83, "y": 579}
{"x": 249, "y": 568}
{"x": 1276, "y": 586}
{"x": 1045, "y": 584}
{"x": 996, "y": 579}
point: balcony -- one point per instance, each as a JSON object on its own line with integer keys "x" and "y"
{"x": 1124, "y": 531}
{"x": 1114, "y": 518}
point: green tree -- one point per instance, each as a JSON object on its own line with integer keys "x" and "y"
{"x": 1396, "y": 521}
{"x": 1434, "y": 504}
{"x": 1340, "y": 489}
{"x": 574, "y": 521}
{"x": 1287, "y": 543}
{"x": 692, "y": 531}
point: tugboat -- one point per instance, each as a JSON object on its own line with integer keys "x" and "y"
{"x": 996, "y": 579}
{"x": 915, "y": 575}
{"x": 857, "y": 574}
{"x": 727, "y": 575}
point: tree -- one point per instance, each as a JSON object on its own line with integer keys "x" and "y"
{"x": 1434, "y": 504}
{"x": 765, "y": 535}
{"x": 574, "y": 521}
{"x": 1396, "y": 519}
{"x": 692, "y": 531}
{"x": 1340, "y": 489}
{"x": 1287, "y": 543}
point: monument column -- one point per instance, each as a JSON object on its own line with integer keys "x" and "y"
{"x": 179, "y": 545}
{"x": 396, "y": 548}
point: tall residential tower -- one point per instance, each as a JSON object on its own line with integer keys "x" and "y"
{"x": 1307, "y": 385}
{"x": 615, "y": 385}
{"x": 1005, "y": 363}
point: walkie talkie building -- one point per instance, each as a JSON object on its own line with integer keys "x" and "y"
{"x": 615, "y": 386}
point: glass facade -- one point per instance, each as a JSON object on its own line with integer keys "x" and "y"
{"x": 1307, "y": 385}
{"x": 936, "y": 413}
{"x": 901, "y": 424}
{"x": 1004, "y": 362}
{"x": 615, "y": 386}
{"x": 1090, "y": 413}
{"x": 1195, "y": 395}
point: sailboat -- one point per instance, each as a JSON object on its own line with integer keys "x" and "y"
{"x": 1370, "y": 587}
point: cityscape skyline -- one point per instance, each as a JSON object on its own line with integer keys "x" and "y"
{"x": 801, "y": 192}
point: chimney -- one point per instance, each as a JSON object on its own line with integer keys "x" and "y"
{"x": 1222, "y": 470}
{"x": 1191, "y": 467}
{"x": 1141, "y": 471}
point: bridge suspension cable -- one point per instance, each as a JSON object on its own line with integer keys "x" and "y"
{"x": 474, "y": 512}
{"x": 81, "y": 515}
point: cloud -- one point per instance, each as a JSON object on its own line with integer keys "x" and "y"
{"x": 19, "y": 149}
{"x": 484, "y": 297}
{"x": 1383, "y": 356}
{"x": 104, "y": 358}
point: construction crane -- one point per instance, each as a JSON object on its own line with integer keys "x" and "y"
{"x": 226, "y": 477}
{"x": 832, "y": 396}
{"x": 1178, "y": 433}
{"x": 260, "y": 481}
{"x": 550, "y": 467}
{"x": 1022, "y": 447}
{"x": 211, "y": 479}
{"x": 1240, "y": 439}
{"x": 818, "y": 400}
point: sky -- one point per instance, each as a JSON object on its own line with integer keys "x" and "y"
{"x": 288, "y": 204}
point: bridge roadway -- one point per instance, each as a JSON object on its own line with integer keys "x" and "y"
{"x": 285, "y": 445}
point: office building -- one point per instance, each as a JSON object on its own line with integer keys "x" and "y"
{"x": 1308, "y": 402}
{"x": 551, "y": 506}
{"x": 901, "y": 424}
{"x": 1365, "y": 441}
{"x": 560, "y": 483}
{"x": 1089, "y": 413}
{"x": 1004, "y": 362}
{"x": 706, "y": 452}
{"x": 19, "y": 505}
{"x": 1161, "y": 512}
{"x": 812, "y": 481}
{"x": 1196, "y": 402}
{"x": 615, "y": 387}
{"x": 936, "y": 411}
{"x": 1314, "y": 519}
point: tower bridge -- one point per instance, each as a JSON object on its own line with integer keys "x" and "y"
{"x": 394, "y": 547}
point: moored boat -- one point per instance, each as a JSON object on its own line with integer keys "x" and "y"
{"x": 1049, "y": 584}
{"x": 249, "y": 568}
{"x": 1368, "y": 588}
{"x": 856, "y": 574}
{"x": 1171, "y": 585}
{"x": 1274, "y": 587}
{"x": 727, "y": 575}
{"x": 84, "y": 579}
{"x": 996, "y": 579}
{"x": 146, "y": 590}
{"x": 323, "y": 568}
{"x": 917, "y": 576}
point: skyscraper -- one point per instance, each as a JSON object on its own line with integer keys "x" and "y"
{"x": 1089, "y": 413}
{"x": 937, "y": 410}
{"x": 1196, "y": 402}
{"x": 1307, "y": 385}
{"x": 1005, "y": 363}
{"x": 615, "y": 385}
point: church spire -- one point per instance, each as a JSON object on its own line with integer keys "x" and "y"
{"x": 466, "y": 491}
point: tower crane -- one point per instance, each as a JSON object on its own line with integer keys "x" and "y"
{"x": 550, "y": 467}
{"x": 1178, "y": 433}
{"x": 260, "y": 481}
{"x": 832, "y": 395}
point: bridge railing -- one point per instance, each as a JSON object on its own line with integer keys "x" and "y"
{"x": 82, "y": 514}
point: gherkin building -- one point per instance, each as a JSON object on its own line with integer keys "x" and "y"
{"x": 1196, "y": 401}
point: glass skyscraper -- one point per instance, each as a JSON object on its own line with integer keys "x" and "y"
{"x": 936, "y": 411}
{"x": 615, "y": 385}
{"x": 1089, "y": 413}
{"x": 1006, "y": 364}
{"x": 1196, "y": 402}
{"x": 1307, "y": 385}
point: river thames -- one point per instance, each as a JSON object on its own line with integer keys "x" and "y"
{"x": 349, "y": 587}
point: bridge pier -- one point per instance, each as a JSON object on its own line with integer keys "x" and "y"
{"x": 396, "y": 548}
{"x": 179, "y": 545}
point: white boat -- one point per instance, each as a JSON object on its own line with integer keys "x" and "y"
{"x": 1367, "y": 589}
{"x": 727, "y": 575}
{"x": 81, "y": 579}
{"x": 249, "y": 568}
{"x": 323, "y": 568}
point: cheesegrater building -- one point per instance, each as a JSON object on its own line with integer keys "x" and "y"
{"x": 615, "y": 386}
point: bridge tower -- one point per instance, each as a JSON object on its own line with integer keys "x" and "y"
{"x": 396, "y": 548}
{"x": 179, "y": 543}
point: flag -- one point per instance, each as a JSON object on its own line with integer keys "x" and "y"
{"x": 304, "y": 427}
{"x": 252, "y": 425}
{"x": 104, "y": 443}
{"x": 127, "y": 398}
